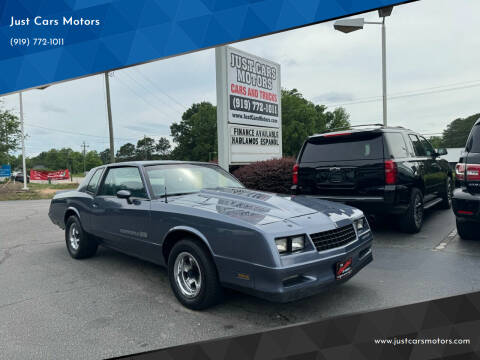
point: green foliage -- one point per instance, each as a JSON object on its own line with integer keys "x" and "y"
{"x": 10, "y": 136}
{"x": 436, "y": 141}
{"x": 301, "y": 118}
{"x": 65, "y": 158}
{"x": 456, "y": 133}
{"x": 196, "y": 134}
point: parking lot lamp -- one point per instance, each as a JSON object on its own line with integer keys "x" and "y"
{"x": 350, "y": 25}
{"x": 25, "y": 187}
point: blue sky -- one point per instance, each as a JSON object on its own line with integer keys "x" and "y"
{"x": 433, "y": 51}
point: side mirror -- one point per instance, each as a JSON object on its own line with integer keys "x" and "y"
{"x": 125, "y": 194}
{"x": 442, "y": 151}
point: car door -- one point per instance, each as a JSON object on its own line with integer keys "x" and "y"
{"x": 424, "y": 165}
{"x": 123, "y": 223}
{"x": 436, "y": 173}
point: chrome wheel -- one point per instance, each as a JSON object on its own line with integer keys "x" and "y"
{"x": 74, "y": 237}
{"x": 418, "y": 210}
{"x": 188, "y": 275}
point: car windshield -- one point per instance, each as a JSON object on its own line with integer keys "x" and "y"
{"x": 188, "y": 178}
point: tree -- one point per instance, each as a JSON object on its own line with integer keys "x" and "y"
{"x": 436, "y": 141}
{"x": 196, "y": 134}
{"x": 105, "y": 156}
{"x": 163, "y": 147}
{"x": 127, "y": 152}
{"x": 145, "y": 148}
{"x": 10, "y": 135}
{"x": 456, "y": 133}
{"x": 92, "y": 159}
{"x": 301, "y": 118}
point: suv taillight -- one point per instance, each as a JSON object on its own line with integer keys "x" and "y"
{"x": 391, "y": 172}
{"x": 471, "y": 170}
{"x": 295, "y": 174}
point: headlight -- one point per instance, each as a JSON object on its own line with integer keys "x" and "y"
{"x": 298, "y": 243}
{"x": 282, "y": 245}
{"x": 361, "y": 225}
{"x": 290, "y": 244}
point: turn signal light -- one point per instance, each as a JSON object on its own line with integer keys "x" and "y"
{"x": 295, "y": 174}
{"x": 391, "y": 172}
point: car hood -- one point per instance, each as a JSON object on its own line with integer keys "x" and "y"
{"x": 261, "y": 208}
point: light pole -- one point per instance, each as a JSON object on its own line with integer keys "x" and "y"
{"x": 25, "y": 187}
{"x": 350, "y": 25}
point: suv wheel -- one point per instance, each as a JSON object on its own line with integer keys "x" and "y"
{"x": 466, "y": 230}
{"x": 412, "y": 221}
{"x": 80, "y": 245}
{"x": 193, "y": 275}
{"x": 447, "y": 194}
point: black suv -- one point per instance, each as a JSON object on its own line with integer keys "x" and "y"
{"x": 466, "y": 199}
{"x": 381, "y": 170}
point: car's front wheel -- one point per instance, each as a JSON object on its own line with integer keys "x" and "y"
{"x": 193, "y": 275}
{"x": 468, "y": 230}
{"x": 80, "y": 245}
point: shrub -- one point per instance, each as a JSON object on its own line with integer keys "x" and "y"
{"x": 270, "y": 175}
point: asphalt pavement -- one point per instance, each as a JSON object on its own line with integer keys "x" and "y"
{"x": 52, "y": 306}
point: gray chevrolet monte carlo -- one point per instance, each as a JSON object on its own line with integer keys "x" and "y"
{"x": 211, "y": 232}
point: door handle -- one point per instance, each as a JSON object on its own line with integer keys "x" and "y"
{"x": 95, "y": 205}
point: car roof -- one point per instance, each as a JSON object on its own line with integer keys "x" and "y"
{"x": 364, "y": 128}
{"x": 156, "y": 162}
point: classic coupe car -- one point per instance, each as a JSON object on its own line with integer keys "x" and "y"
{"x": 211, "y": 232}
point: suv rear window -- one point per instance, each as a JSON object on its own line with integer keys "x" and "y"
{"x": 474, "y": 140}
{"x": 356, "y": 146}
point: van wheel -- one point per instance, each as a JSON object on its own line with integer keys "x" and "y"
{"x": 80, "y": 245}
{"x": 447, "y": 194}
{"x": 466, "y": 230}
{"x": 412, "y": 220}
{"x": 193, "y": 275}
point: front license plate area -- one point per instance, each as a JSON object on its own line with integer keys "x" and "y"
{"x": 343, "y": 269}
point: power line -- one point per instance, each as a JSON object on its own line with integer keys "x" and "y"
{"x": 163, "y": 92}
{"x": 406, "y": 94}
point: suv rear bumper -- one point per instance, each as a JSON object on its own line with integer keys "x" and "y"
{"x": 389, "y": 202}
{"x": 466, "y": 205}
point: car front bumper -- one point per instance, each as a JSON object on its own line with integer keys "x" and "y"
{"x": 466, "y": 205}
{"x": 289, "y": 283}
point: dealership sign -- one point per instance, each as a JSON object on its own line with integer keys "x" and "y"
{"x": 49, "y": 175}
{"x": 249, "y": 115}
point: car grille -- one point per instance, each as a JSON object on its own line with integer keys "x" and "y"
{"x": 334, "y": 238}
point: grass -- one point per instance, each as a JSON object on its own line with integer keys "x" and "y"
{"x": 12, "y": 191}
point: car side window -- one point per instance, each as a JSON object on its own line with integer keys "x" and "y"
{"x": 417, "y": 145}
{"x": 397, "y": 149}
{"x": 94, "y": 181}
{"x": 430, "y": 151}
{"x": 123, "y": 178}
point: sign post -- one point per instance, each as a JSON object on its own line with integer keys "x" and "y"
{"x": 249, "y": 119}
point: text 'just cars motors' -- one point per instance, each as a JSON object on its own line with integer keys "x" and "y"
{"x": 211, "y": 232}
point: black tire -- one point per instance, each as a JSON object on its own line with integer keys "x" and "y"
{"x": 447, "y": 194}
{"x": 84, "y": 246}
{"x": 412, "y": 221}
{"x": 468, "y": 230}
{"x": 206, "y": 290}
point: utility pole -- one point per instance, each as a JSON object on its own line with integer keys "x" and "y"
{"x": 109, "y": 114}
{"x": 84, "y": 146}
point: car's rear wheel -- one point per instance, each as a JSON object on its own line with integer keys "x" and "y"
{"x": 468, "y": 230}
{"x": 193, "y": 275}
{"x": 412, "y": 220}
{"x": 80, "y": 245}
{"x": 447, "y": 194}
